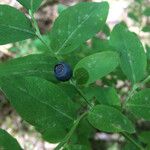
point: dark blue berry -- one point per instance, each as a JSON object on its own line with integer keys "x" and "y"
{"x": 63, "y": 71}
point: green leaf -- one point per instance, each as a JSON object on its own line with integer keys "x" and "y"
{"x": 146, "y": 28}
{"x": 144, "y": 137}
{"x": 130, "y": 146}
{"x": 133, "y": 16}
{"x": 42, "y": 104}
{"x": 77, "y": 24}
{"x": 106, "y": 30}
{"x": 139, "y": 104}
{"x": 109, "y": 119}
{"x": 95, "y": 66}
{"x": 14, "y": 25}
{"x": 99, "y": 45}
{"x": 40, "y": 65}
{"x": 139, "y": 1}
{"x": 77, "y": 147}
{"x": 148, "y": 147}
{"x": 146, "y": 12}
{"x": 84, "y": 132}
{"x": 106, "y": 96}
{"x": 32, "y": 5}
{"x": 81, "y": 52}
{"x": 40, "y": 47}
{"x": 147, "y": 47}
{"x": 69, "y": 89}
{"x": 131, "y": 51}
{"x": 7, "y": 142}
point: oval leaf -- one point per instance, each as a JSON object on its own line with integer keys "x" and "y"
{"x": 14, "y": 25}
{"x": 146, "y": 12}
{"x": 133, "y": 16}
{"x": 132, "y": 55}
{"x": 109, "y": 119}
{"x": 40, "y": 65}
{"x": 7, "y": 142}
{"x": 32, "y": 5}
{"x": 139, "y": 104}
{"x": 97, "y": 66}
{"x": 146, "y": 28}
{"x": 70, "y": 28}
{"x": 50, "y": 110}
{"x": 106, "y": 95}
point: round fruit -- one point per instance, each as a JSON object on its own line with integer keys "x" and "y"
{"x": 63, "y": 71}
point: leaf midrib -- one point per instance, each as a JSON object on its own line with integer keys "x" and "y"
{"x": 134, "y": 105}
{"x": 18, "y": 29}
{"x": 74, "y": 31}
{"x": 130, "y": 63}
{"x": 24, "y": 71}
{"x": 24, "y": 91}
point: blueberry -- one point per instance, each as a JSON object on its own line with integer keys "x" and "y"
{"x": 63, "y": 71}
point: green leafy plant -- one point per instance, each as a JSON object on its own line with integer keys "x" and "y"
{"x": 79, "y": 106}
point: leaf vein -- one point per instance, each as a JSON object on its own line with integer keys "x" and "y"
{"x": 18, "y": 29}
{"x": 74, "y": 31}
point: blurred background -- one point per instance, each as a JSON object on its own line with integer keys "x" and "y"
{"x": 135, "y": 13}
